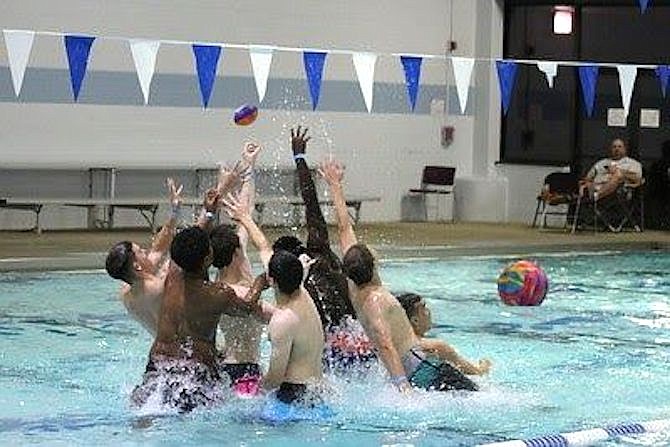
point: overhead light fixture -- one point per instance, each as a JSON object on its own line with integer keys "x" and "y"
{"x": 563, "y": 16}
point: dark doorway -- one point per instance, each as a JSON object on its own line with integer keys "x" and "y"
{"x": 549, "y": 126}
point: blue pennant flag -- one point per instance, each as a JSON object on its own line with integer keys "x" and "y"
{"x": 644, "y": 4}
{"x": 314, "y": 62}
{"x": 507, "y": 71}
{"x": 412, "y": 67}
{"x": 588, "y": 77}
{"x": 663, "y": 73}
{"x": 78, "y": 49}
{"x": 206, "y": 61}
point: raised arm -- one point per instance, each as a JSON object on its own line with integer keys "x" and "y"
{"x": 240, "y": 213}
{"x": 162, "y": 240}
{"x": 247, "y": 195}
{"x": 210, "y": 206}
{"x": 317, "y": 230}
{"x": 333, "y": 173}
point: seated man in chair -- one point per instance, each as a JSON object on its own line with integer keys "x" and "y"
{"x": 609, "y": 174}
{"x": 609, "y": 186}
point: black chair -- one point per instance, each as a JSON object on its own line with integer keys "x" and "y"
{"x": 437, "y": 180}
{"x": 558, "y": 197}
{"x": 616, "y": 212}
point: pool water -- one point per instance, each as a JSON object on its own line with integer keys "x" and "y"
{"x": 595, "y": 353}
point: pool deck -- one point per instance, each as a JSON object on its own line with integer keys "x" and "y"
{"x": 65, "y": 250}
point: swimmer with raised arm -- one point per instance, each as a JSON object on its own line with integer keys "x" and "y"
{"x": 380, "y": 313}
{"x": 242, "y": 334}
{"x": 182, "y": 371}
{"x": 347, "y": 345}
{"x": 143, "y": 270}
{"x": 295, "y": 330}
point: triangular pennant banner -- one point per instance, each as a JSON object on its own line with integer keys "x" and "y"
{"x": 261, "y": 59}
{"x": 19, "y": 44}
{"x": 627, "y": 75}
{"x": 412, "y": 67}
{"x": 206, "y": 61}
{"x": 644, "y": 4}
{"x": 314, "y": 62}
{"x": 549, "y": 69}
{"x": 463, "y": 67}
{"x": 588, "y": 77}
{"x": 663, "y": 73}
{"x": 506, "y": 77}
{"x": 364, "y": 63}
{"x": 78, "y": 49}
{"x": 144, "y": 55}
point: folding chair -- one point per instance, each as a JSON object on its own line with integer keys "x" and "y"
{"x": 615, "y": 212}
{"x": 435, "y": 180}
{"x": 560, "y": 189}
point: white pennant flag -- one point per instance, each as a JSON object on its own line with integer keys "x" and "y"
{"x": 549, "y": 69}
{"x": 463, "y": 74}
{"x": 261, "y": 59}
{"x": 19, "y": 44}
{"x": 364, "y": 64}
{"x": 144, "y": 55}
{"x": 627, "y": 75}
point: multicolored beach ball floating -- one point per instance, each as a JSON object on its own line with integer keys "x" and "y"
{"x": 245, "y": 115}
{"x": 523, "y": 283}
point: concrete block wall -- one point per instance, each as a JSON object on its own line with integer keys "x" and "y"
{"x": 384, "y": 151}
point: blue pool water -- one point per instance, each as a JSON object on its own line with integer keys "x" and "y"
{"x": 595, "y": 353}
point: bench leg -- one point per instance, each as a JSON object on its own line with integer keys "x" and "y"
{"x": 38, "y": 227}
{"x": 357, "y": 211}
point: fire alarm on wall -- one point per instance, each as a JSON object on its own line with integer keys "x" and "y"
{"x": 447, "y": 136}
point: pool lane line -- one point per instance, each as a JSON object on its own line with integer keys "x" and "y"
{"x": 586, "y": 437}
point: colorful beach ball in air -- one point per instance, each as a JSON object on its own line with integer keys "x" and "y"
{"x": 245, "y": 115}
{"x": 522, "y": 283}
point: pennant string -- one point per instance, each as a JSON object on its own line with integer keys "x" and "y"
{"x": 345, "y": 51}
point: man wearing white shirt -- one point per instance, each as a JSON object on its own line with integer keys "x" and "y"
{"x": 608, "y": 174}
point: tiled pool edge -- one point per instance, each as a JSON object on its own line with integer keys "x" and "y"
{"x": 93, "y": 260}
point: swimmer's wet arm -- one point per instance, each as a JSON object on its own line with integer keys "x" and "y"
{"x": 281, "y": 339}
{"x": 380, "y": 335}
{"x": 447, "y": 353}
{"x": 317, "y": 229}
{"x": 231, "y": 304}
{"x": 247, "y": 196}
{"x": 345, "y": 228}
{"x": 162, "y": 240}
{"x": 257, "y": 237}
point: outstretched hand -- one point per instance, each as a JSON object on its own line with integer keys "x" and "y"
{"x": 250, "y": 153}
{"x": 235, "y": 208}
{"x": 484, "y": 366}
{"x": 332, "y": 171}
{"x": 212, "y": 199}
{"x": 229, "y": 177}
{"x": 299, "y": 141}
{"x": 175, "y": 192}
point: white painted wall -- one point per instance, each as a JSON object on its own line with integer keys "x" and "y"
{"x": 384, "y": 152}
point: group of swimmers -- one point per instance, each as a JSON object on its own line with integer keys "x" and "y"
{"x": 330, "y": 313}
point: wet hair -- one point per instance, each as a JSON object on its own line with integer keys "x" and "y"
{"x": 189, "y": 249}
{"x": 359, "y": 264}
{"x": 286, "y": 269}
{"x": 119, "y": 263}
{"x": 224, "y": 242}
{"x": 408, "y": 301}
{"x": 290, "y": 244}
